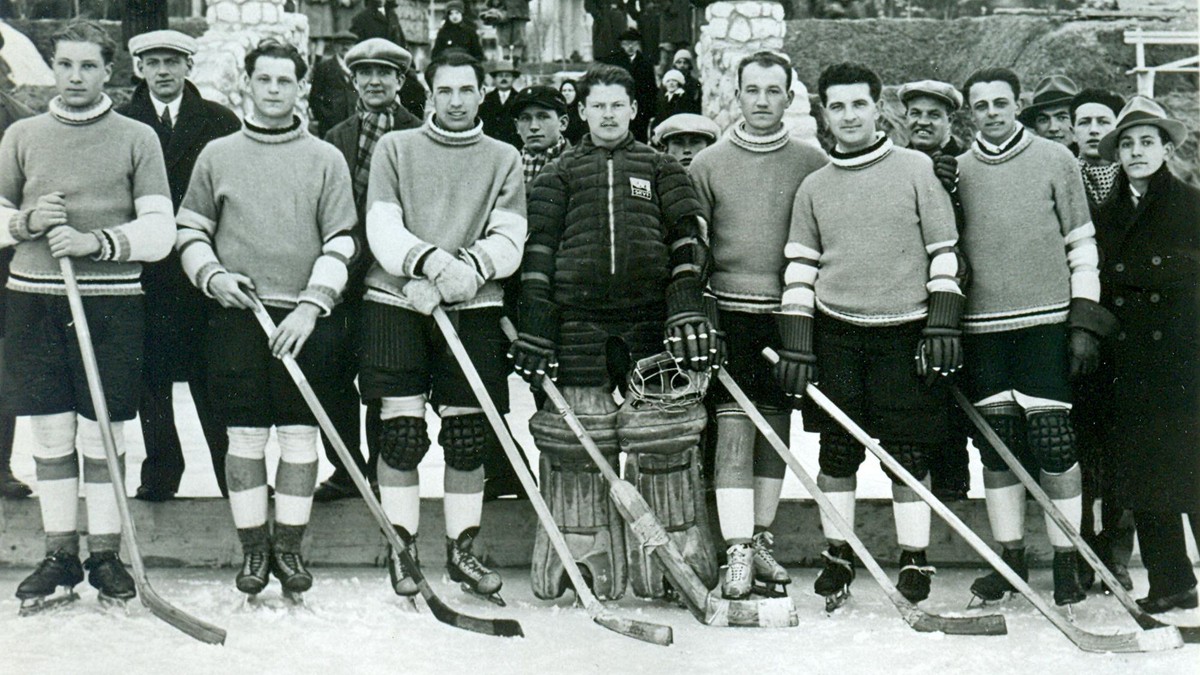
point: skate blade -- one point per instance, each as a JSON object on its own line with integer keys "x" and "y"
{"x": 63, "y": 596}
{"x": 770, "y": 590}
{"x": 836, "y": 600}
{"x": 108, "y": 602}
{"x": 408, "y": 603}
{"x": 493, "y": 598}
{"x": 985, "y": 602}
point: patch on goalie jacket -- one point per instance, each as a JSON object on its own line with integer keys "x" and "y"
{"x": 640, "y": 188}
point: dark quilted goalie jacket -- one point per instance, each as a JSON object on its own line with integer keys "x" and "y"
{"x": 609, "y": 229}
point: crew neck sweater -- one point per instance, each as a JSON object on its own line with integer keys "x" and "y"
{"x": 746, "y": 192}
{"x": 461, "y": 192}
{"x": 872, "y": 235}
{"x": 1028, "y": 235}
{"x": 276, "y": 206}
{"x": 111, "y": 171}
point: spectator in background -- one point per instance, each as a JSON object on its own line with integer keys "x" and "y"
{"x": 1093, "y": 115}
{"x": 576, "y": 126}
{"x": 333, "y": 99}
{"x": 630, "y": 57}
{"x": 496, "y": 109}
{"x": 510, "y": 32}
{"x": 456, "y": 33}
{"x": 378, "y": 20}
{"x": 608, "y": 22}
{"x": 1049, "y": 115}
{"x": 671, "y": 100}
{"x": 684, "y": 63}
{"x": 685, "y": 135}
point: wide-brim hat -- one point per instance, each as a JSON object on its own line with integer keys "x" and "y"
{"x": 941, "y": 91}
{"x": 381, "y": 52}
{"x": 1052, "y": 91}
{"x": 686, "y": 123}
{"x": 630, "y": 35}
{"x": 539, "y": 95}
{"x": 1141, "y": 111}
{"x": 170, "y": 40}
{"x": 503, "y": 67}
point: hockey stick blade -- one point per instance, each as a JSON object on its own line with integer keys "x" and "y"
{"x": 440, "y": 610}
{"x": 1092, "y": 642}
{"x": 632, "y": 506}
{"x": 1143, "y": 619}
{"x": 200, "y": 630}
{"x": 639, "y": 630}
{"x": 915, "y": 617}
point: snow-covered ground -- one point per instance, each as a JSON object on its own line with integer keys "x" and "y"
{"x": 352, "y": 623}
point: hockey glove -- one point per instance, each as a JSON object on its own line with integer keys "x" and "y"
{"x": 797, "y": 363}
{"x": 940, "y": 350}
{"x": 1085, "y": 353}
{"x": 1088, "y": 322}
{"x": 717, "y": 347}
{"x": 946, "y": 168}
{"x": 690, "y": 339}
{"x": 423, "y": 295}
{"x": 533, "y": 353}
{"x": 456, "y": 281}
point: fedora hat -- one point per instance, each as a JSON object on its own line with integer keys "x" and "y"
{"x": 504, "y": 67}
{"x": 1141, "y": 111}
{"x": 1052, "y": 91}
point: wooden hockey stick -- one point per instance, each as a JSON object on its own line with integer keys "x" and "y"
{"x": 918, "y": 619}
{"x": 632, "y": 506}
{"x": 640, "y": 630}
{"x": 441, "y": 611}
{"x": 1146, "y": 641}
{"x": 1190, "y": 634}
{"x": 201, "y": 630}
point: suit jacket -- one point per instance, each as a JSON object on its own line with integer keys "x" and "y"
{"x": 333, "y": 97}
{"x": 497, "y": 118}
{"x": 176, "y": 310}
{"x": 370, "y": 23}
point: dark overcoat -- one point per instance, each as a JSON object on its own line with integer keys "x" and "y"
{"x": 497, "y": 118}
{"x": 333, "y": 97}
{"x": 1150, "y": 279}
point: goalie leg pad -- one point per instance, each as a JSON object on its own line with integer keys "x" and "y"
{"x": 914, "y": 457}
{"x": 1052, "y": 439}
{"x": 403, "y": 442}
{"x": 1005, "y": 419}
{"x": 840, "y": 455}
{"x": 577, "y": 495}
{"x": 466, "y": 440}
{"x": 664, "y": 464}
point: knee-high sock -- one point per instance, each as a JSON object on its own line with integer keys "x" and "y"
{"x": 104, "y": 518}
{"x": 1006, "y": 507}
{"x": 840, "y": 491}
{"x": 400, "y": 491}
{"x": 769, "y": 470}
{"x": 294, "y": 484}
{"x": 912, "y": 517}
{"x": 464, "y": 489}
{"x": 1066, "y": 491}
{"x": 57, "y": 479}
{"x": 734, "y": 475}
{"x": 246, "y": 476}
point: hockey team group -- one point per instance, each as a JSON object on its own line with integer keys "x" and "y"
{"x": 659, "y": 298}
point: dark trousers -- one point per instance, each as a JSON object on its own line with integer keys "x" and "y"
{"x": 1164, "y": 551}
{"x": 164, "y": 464}
{"x": 1115, "y": 542}
{"x": 343, "y": 409}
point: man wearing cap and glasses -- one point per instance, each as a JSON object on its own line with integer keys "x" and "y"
{"x": 1049, "y": 114}
{"x": 496, "y": 111}
{"x": 175, "y": 311}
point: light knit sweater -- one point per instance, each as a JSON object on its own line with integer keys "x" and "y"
{"x": 747, "y": 185}
{"x": 111, "y": 171}
{"x": 276, "y": 207}
{"x": 1028, "y": 234}
{"x": 461, "y": 192}
{"x": 872, "y": 235}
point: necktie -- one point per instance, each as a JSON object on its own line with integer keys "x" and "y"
{"x": 166, "y": 119}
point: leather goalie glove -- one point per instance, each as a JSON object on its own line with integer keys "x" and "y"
{"x": 1088, "y": 322}
{"x": 940, "y": 350}
{"x": 535, "y": 351}
{"x": 691, "y": 339}
{"x": 456, "y": 280}
{"x": 797, "y": 365}
{"x": 946, "y": 168}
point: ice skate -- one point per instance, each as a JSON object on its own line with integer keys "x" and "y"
{"x": 915, "y": 574}
{"x": 107, "y": 574}
{"x": 255, "y": 572}
{"x": 992, "y": 587}
{"x": 834, "y": 581}
{"x": 466, "y": 569}
{"x": 1121, "y": 572}
{"x": 770, "y": 578}
{"x": 736, "y": 583}
{"x": 403, "y": 584}
{"x": 289, "y": 569}
{"x": 1067, "y": 590}
{"x": 52, "y": 584}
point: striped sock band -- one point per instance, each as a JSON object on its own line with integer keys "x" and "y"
{"x": 104, "y": 518}
{"x": 57, "y": 468}
{"x": 246, "y": 476}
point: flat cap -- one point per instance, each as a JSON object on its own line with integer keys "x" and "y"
{"x": 343, "y": 35}
{"x": 379, "y": 51}
{"x": 686, "y": 123}
{"x": 171, "y": 40}
{"x": 539, "y": 95}
{"x": 942, "y": 91}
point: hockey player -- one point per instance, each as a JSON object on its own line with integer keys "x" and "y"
{"x": 746, "y": 183}
{"x": 445, "y": 223}
{"x": 253, "y": 228}
{"x": 84, "y": 182}
{"x": 1033, "y": 318}
{"x": 614, "y": 261}
{"x": 860, "y": 317}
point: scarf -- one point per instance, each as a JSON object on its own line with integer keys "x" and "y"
{"x": 79, "y": 116}
{"x": 371, "y": 127}
{"x": 534, "y": 162}
{"x": 747, "y": 141}
{"x": 860, "y": 159}
{"x": 1099, "y": 180}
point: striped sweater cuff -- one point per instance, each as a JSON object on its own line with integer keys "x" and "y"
{"x": 323, "y": 297}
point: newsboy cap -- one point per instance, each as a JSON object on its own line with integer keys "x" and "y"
{"x": 686, "y": 123}
{"x": 941, "y": 91}
{"x": 171, "y": 40}
{"x": 379, "y": 51}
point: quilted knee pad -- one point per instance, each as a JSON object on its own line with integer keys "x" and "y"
{"x": 840, "y": 455}
{"x": 403, "y": 442}
{"x": 1008, "y": 424}
{"x": 914, "y": 457}
{"x": 1052, "y": 439}
{"x": 465, "y": 439}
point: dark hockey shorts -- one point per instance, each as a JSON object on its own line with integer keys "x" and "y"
{"x": 404, "y": 354}
{"x": 745, "y": 337}
{"x": 1034, "y": 361}
{"x": 601, "y": 353}
{"x": 43, "y": 370}
{"x": 247, "y": 386}
{"x": 870, "y": 373}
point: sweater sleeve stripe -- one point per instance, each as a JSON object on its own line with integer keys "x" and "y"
{"x": 944, "y": 272}
{"x": 150, "y": 235}
{"x": 796, "y": 250}
{"x": 393, "y": 245}
{"x": 499, "y": 250}
{"x": 1083, "y": 259}
{"x": 935, "y": 248}
{"x": 329, "y": 274}
{"x": 799, "y": 279}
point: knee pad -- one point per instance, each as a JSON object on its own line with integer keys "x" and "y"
{"x": 663, "y": 462}
{"x": 465, "y": 439}
{"x": 1052, "y": 439}
{"x": 1004, "y": 419}
{"x": 55, "y": 435}
{"x": 403, "y": 442}
{"x": 248, "y": 442}
{"x": 912, "y": 456}
{"x": 297, "y": 444}
{"x": 840, "y": 455}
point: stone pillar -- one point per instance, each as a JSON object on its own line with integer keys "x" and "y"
{"x": 733, "y": 30}
{"x": 234, "y": 28}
